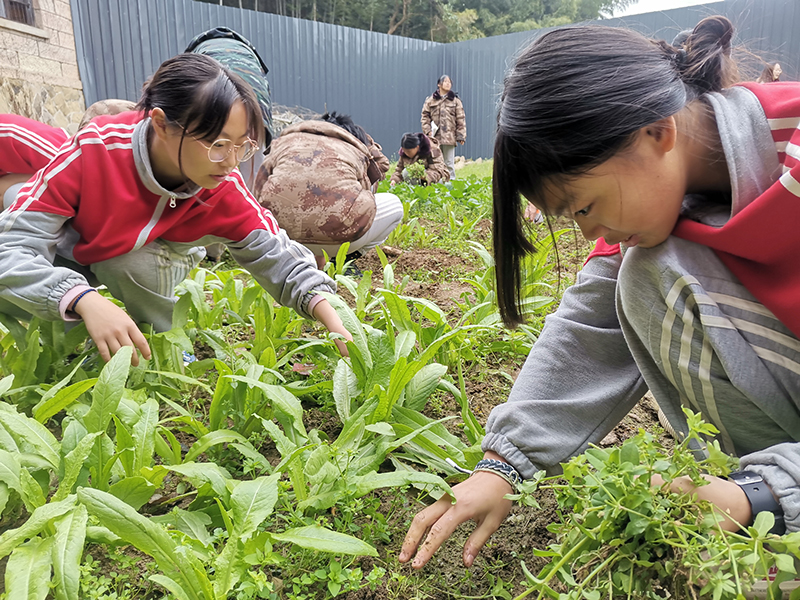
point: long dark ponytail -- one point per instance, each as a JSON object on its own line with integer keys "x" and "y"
{"x": 574, "y": 99}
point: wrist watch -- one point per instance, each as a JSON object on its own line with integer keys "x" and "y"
{"x": 760, "y": 497}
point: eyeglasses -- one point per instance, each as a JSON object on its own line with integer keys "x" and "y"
{"x": 219, "y": 150}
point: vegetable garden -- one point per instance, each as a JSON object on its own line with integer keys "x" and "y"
{"x": 273, "y": 468}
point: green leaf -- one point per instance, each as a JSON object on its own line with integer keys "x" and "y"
{"x": 124, "y": 446}
{"x": 170, "y": 585}
{"x": 31, "y": 491}
{"x": 31, "y": 433}
{"x": 345, "y": 388}
{"x": 281, "y": 400}
{"x": 97, "y": 534}
{"x": 35, "y": 523}
{"x": 9, "y": 470}
{"x": 73, "y": 463}
{"x": 382, "y": 428}
{"x": 252, "y": 502}
{"x": 212, "y": 439}
{"x": 763, "y": 523}
{"x": 181, "y": 568}
{"x": 144, "y": 435}
{"x": 5, "y": 384}
{"x": 315, "y": 537}
{"x": 4, "y": 495}
{"x": 422, "y": 386}
{"x": 108, "y": 390}
{"x": 200, "y": 474}
{"x": 402, "y": 374}
{"x": 49, "y": 407}
{"x": 192, "y": 523}
{"x": 28, "y": 570}
{"x": 404, "y": 343}
{"x": 785, "y": 563}
{"x": 135, "y": 491}
{"x": 373, "y": 481}
{"x": 67, "y": 551}
{"x": 629, "y": 453}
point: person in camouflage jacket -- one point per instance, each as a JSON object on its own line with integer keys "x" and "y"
{"x": 418, "y": 147}
{"x": 318, "y": 181}
{"x": 443, "y": 119}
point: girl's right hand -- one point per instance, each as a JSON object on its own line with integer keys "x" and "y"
{"x": 110, "y": 327}
{"x": 479, "y": 498}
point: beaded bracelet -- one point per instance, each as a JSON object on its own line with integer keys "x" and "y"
{"x": 81, "y": 295}
{"x": 500, "y": 468}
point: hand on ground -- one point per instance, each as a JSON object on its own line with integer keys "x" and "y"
{"x": 110, "y": 327}
{"x": 479, "y": 498}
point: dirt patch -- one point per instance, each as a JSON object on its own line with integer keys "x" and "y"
{"x": 432, "y": 261}
{"x": 444, "y": 294}
{"x": 322, "y": 420}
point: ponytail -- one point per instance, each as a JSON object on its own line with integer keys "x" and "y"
{"x": 704, "y": 57}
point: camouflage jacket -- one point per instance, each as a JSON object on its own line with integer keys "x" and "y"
{"x": 448, "y": 114}
{"x": 314, "y": 180}
{"x": 435, "y": 169}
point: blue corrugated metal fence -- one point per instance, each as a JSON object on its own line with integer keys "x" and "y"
{"x": 380, "y": 80}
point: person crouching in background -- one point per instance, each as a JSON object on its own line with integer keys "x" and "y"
{"x": 319, "y": 180}
{"x": 419, "y": 148}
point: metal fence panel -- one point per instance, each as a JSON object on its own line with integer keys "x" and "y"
{"x": 376, "y": 78}
{"x": 380, "y": 80}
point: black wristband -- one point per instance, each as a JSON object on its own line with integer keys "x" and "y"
{"x": 760, "y": 497}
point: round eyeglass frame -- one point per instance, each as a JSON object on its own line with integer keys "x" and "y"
{"x": 249, "y": 146}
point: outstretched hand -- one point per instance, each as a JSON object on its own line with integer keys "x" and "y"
{"x": 480, "y": 498}
{"x": 730, "y": 500}
{"x": 110, "y": 327}
{"x": 326, "y": 314}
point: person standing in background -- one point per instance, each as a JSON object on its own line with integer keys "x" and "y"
{"x": 443, "y": 120}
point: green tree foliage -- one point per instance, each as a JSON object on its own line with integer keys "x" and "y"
{"x": 439, "y": 20}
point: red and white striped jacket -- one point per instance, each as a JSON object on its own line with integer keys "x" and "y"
{"x": 94, "y": 180}
{"x": 760, "y": 243}
{"x": 27, "y": 145}
{"x": 101, "y": 184}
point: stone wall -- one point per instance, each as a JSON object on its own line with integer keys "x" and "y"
{"x": 39, "y": 67}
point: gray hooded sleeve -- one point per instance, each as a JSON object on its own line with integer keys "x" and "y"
{"x": 577, "y": 383}
{"x": 779, "y": 465}
{"x": 286, "y": 269}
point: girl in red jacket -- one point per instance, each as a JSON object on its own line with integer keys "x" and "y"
{"x": 131, "y": 199}
{"x": 692, "y": 187}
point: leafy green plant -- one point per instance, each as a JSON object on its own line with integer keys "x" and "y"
{"x": 416, "y": 172}
{"x": 620, "y": 537}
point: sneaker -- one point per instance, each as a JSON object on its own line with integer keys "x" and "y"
{"x": 351, "y": 270}
{"x": 188, "y": 358}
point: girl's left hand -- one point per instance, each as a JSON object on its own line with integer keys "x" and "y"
{"x": 325, "y": 314}
{"x": 728, "y": 497}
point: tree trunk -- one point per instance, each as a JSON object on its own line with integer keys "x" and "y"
{"x": 394, "y": 24}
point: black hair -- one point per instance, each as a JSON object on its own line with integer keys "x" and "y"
{"x": 346, "y": 123}
{"x": 409, "y": 141}
{"x": 197, "y": 93}
{"x": 575, "y": 98}
{"x": 439, "y": 81}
